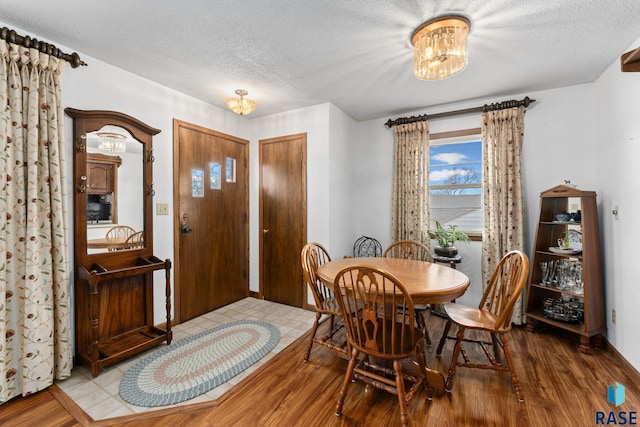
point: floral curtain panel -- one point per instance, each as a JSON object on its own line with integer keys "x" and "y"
{"x": 35, "y": 316}
{"x": 410, "y": 202}
{"x": 503, "y": 210}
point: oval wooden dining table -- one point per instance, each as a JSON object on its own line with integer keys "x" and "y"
{"x": 426, "y": 282}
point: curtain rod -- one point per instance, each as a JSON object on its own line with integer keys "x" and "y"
{"x": 486, "y": 107}
{"x": 12, "y": 37}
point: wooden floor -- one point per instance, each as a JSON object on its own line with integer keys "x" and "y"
{"x": 562, "y": 387}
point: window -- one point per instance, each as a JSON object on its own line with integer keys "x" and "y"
{"x": 455, "y": 180}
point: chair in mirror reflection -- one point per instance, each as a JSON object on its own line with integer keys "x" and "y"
{"x": 119, "y": 233}
{"x": 411, "y": 249}
{"x": 134, "y": 241}
{"x": 314, "y": 255}
{"x": 492, "y": 317}
{"x": 380, "y": 320}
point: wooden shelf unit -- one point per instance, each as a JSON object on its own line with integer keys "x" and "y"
{"x": 115, "y": 320}
{"x": 552, "y": 202}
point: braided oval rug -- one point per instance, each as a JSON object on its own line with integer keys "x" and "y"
{"x": 195, "y": 365}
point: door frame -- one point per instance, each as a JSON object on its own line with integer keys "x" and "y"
{"x": 177, "y": 124}
{"x": 261, "y": 142}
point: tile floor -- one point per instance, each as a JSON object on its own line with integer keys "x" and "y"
{"x": 99, "y": 396}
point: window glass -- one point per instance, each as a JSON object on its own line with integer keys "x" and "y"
{"x": 214, "y": 176}
{"x": 455, "y": 183}
{"x": 230, "y": 169}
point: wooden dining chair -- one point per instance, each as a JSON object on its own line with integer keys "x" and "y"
{"x": 134, "y": 241}
{"x": 123, "y": 231}
{"x": 379, "y": 317}
{"x": 408, "y": 249}
{"x": 314, "y": 255}
{"x": 493, "y": 316}
{"x": 411, "y": 249}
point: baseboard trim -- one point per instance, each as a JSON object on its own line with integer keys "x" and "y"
{"x": 623, "y": 361}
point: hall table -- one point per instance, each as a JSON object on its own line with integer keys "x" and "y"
{"x": 426, "y": 282}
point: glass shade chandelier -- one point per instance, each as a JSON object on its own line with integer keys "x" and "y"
{"x": 111, "y": 142}
{"x": 440, "y": 47}
{"x": 241, "y": 105}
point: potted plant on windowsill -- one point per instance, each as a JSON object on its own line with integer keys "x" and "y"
{"x": 446, "y": 238}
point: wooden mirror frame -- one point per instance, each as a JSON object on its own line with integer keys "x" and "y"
{"x": 85, "y": 121}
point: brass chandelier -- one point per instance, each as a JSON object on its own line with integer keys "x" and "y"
{"x": 241, "y": 105}
{"x": 440, "y": 47}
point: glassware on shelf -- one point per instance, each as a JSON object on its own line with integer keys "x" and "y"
{"x": 566, "y": 308}
{"x": 578, "y": 283}
{"x": 563, "y": 275}
{"x": 551, "y": 277}
{"x": 544, "y": 268}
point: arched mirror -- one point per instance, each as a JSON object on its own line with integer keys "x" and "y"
{"x": 115, "y": 190}
{"x": 113, "y": 185}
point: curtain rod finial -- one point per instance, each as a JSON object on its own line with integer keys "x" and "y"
{"x": 32, "y": 43}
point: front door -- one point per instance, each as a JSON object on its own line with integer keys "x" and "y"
{"x": 283, "y": 217}
{"x": 211, "y": 217}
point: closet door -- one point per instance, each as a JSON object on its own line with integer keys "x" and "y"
{"x": 283, "y": 218}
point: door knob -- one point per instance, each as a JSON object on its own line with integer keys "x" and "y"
{"x": 265, "y": 231}
{"x": 184, "y": 227}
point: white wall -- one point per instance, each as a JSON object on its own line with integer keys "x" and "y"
{"x": 130, "y": 196}
{"x": 615, "y": 169}
{"x": 343, "y": 215}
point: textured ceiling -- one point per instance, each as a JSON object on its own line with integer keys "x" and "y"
{"x": 355, "y": 54}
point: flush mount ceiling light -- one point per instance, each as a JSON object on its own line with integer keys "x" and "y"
{"x": 111, "y": 142}
{"x": 241, "y": 105}
{"x": 440, "y": 47}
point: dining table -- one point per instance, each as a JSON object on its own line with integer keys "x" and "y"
{"x": 111, "y": 243}
{"x": 426, "y": 283}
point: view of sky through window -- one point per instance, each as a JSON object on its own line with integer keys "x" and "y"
{"x": 455, "y": 184}
{"x": 457, "y": 163}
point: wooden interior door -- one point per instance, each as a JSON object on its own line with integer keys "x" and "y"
{"x": 283, "y": 217}
{"x": 211, "y": 216}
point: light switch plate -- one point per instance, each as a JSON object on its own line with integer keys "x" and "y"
{"x": 162, "y": 208}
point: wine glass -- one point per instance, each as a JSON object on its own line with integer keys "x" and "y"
{"x": 544, "y": 267}
{"x": 563, "y": 274}
{"x": 578, "y": 288}
{"x": 551, "y": 273}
